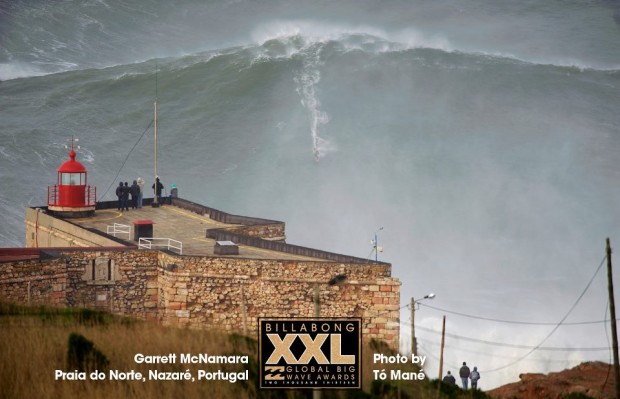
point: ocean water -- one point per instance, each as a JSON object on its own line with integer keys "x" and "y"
{"x": 483, "y": 137}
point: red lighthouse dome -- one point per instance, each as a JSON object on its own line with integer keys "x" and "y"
{"x": 71, "y": 196}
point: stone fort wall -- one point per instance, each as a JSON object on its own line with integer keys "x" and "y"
{"x": 202, "y": 292}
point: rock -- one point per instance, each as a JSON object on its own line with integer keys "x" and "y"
{"x": 590, "y": 378}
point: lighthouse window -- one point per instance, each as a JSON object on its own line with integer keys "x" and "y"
{"x": 73, "y": 179}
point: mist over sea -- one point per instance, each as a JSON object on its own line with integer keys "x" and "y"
{"x": 483, "y": 136}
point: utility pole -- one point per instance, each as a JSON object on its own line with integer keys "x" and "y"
{"x": 155, "y": 203}
{"x": 414, "y": 342}
{"x": 443, "y": 338}
{"x": 612, "y": 311}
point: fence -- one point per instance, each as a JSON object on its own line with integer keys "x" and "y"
{"x": 118, "y": 228}
{"x": 155, "y": 242}
{"x": 71, "y": 193}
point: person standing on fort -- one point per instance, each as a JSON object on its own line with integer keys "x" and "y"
{"x": 449, "y": 379}
{"x": 474, "y": 377}
{"x": 141, "y": 193}
{"x": 159, "y": 188}
{"x": 119, "y": 194}
{"x": 174, "y": 192}
{"x": 125, "y": 200}
{"x": 134, "y": 190}
{"x": 464, "y": 374}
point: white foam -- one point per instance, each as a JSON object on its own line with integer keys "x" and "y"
{"x": 312, "y": 32}
{"x": 411, "y": 38}
{"x": 86, "y": 155}
{"x": 9, "y": 71}
{"x": 306, "y": 80}
{"x": 378, "y": 40}
{"x": 4, "y": 153}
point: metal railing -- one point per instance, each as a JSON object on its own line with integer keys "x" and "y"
{"x": 53, "y": 196}
{"x": 156, "y": 242}
{"x": 257, "y": 242}
{"x": 91, "y": 195}
{"x": 221, "y": 216}
{"x": 118, "y": 228}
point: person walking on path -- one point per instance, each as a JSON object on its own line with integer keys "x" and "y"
{"x": 141, "y": 193}
{"x": 474, "y": 377}
{"x": 134, "y": 190}
{"x": 449, "y": 379}
{"x": 464, "y": 374}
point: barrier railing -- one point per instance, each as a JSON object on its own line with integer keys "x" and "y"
{"x": 118, "y": 228}
{"x": 221, "y": 216}
{"x": 156, "y": 242}
{"x": 257, "y": 242}
{"x": 90, "y": 196}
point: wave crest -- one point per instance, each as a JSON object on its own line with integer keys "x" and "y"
{"x": 302, "y": 33}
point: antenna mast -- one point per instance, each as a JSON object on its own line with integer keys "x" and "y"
{"x": 155, "y": 179}
{"x": 72, "y": 140}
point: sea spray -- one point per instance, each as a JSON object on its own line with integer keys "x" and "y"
{"x": 307, "y": 80}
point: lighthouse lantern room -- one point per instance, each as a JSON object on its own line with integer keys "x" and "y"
{"x": 71, "y": 196}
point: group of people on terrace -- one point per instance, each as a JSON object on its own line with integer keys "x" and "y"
{"x": 133, "y": 195}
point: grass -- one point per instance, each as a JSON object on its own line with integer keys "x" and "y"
{"x": 34, "y": 343}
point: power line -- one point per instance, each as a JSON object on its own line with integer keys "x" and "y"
{"x": 539, "y": 346}
{"x": 486, "y": 354}
{"x": 489, "y": 353}
{"x": 510, "y": 321}
{"x": 503, "y": 344}
{"x": 429, "y": 353}
{"x": 388, "y": 312}
{"x": 126, "y": 158}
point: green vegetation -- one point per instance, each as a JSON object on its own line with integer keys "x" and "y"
{"x": 83, "y": 356}
{"x": 37, "y": 341}
{"x": 10, "y": 312}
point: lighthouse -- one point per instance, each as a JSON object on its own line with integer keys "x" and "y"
{"x": 71, "y": 196}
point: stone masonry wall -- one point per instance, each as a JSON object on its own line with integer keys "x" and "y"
{"x": 33, "y": 282}
{"x": 45, "y": 230}
{"x": 122, "y": 282}
{"x": 273, "y": 231}
{"x": 213, "y": 291}
{"x": 198, "y": 292}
